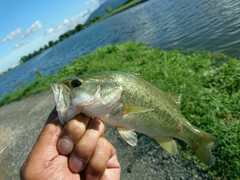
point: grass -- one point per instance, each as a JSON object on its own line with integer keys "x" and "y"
{"x": 210, "y": 84}
{"x": 121, "y": 8}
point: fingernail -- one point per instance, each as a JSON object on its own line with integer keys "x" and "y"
{"x": 76, "y": 164}
{"x": 65, "y": 145}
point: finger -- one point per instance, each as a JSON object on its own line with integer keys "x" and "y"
{"x": 100, "y": 160}
{"x": 71, "y": 133}
{"x": 113, "y": 168}
{"x": 46, "y": 142}
{"x": 85, "y": 148}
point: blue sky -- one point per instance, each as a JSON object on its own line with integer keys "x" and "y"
{"x": 27, "y": 25}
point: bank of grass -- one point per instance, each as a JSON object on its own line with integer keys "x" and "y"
{"x": 211, "y": 91}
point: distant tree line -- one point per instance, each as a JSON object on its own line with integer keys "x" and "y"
{"x": 78, "y": 28}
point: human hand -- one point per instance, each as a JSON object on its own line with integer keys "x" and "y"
{"x": 76, "y": 151}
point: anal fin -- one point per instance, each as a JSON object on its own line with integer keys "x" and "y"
{"x": 168, "y": 144}
{"x": 128, "y": 135}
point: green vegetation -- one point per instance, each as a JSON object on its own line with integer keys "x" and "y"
{"x": 125, "y": 6}
{"x": 108, "y": 9}
{"x": 210, "y": 84}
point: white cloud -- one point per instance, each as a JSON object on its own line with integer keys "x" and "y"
{"x": 91, "y": 1}
{"x": 18, "y": 45}
{"x": 33, "y": 28}
{"x": 49, "y": 31}
{"x": 13, "y": 35}
{"x": 22, "y": 43}
{"x": 52, "y": 30}
{"x": 67, "y": 21}
{"x": 29, "y": 41}
{"x": 94, "y": 1}
{"x": 71, "y": 23}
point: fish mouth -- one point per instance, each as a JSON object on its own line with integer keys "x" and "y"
{"x": 63, "y": 99}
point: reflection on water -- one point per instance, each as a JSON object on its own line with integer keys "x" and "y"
{"x": 189, "y": 24}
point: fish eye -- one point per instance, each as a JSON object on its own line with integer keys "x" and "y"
{"x": 75, "y": 83}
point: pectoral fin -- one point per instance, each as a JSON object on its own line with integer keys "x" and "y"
{"x": 168, "y": 144}
{"x": 135, "y": 109}
{"x": 128, "y": 135}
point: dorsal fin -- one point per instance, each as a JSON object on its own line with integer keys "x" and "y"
{"x": 177, "y": 98}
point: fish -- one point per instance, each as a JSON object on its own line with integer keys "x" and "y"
{"x": 132, "y": 104}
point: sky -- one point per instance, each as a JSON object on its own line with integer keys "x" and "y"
{"x": 27, "y": 25}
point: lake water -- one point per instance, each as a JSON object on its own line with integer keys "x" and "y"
{"x": 189, "y": 24}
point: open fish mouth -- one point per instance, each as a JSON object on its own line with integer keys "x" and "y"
{"x": 62, "y": 95}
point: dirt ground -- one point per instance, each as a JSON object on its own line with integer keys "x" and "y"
{"x": 22, "y": 121}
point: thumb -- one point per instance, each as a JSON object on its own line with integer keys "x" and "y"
{"x": 44, "y": 150}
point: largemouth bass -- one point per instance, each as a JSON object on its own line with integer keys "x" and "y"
{"x": 131, "y": 103}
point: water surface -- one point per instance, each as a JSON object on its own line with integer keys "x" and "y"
{"x": 189, "y": 24}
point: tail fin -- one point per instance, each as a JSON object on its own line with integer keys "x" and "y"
{"x": 203, "y": 148}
